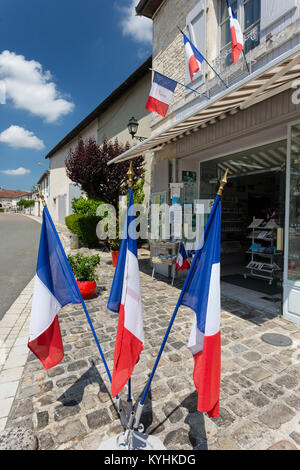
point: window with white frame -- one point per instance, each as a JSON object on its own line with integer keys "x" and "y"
{"x": 248, "y": 13}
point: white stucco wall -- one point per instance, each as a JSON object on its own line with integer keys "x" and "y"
{"x": 58, "y": 180}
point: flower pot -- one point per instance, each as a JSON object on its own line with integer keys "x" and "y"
{"x": 87, "y": 289}
{"x": 114, "y": 256}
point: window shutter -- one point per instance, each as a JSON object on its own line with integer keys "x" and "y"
{"x": 274, "y": 10}
{"x": 196, "y": 29}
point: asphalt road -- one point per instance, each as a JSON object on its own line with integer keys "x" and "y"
{"x": 19, "y": 241}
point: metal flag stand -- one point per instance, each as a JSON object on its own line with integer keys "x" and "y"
{"x": 133, "y": 438}
{"x": 119, "y": 401}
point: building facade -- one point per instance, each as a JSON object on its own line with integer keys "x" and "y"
{"x": 108, "y": 121}
{"x": 250, "y": 125}
{"x": 9, "y": 198}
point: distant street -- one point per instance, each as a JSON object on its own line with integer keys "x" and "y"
{"x": 19, "y": 239}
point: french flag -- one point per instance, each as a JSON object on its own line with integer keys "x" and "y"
{"x": 182, "y": 262}
{"x": 202, "y": 295}
{"x": 161, "y": 94}
{"x": 54, "y": 287}
{"x": 193, "y": 56}
{"x": 125, "y": 299}
{"x": 237, "y": 38}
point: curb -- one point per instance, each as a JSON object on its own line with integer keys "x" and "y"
{"x": 14, "y": 328}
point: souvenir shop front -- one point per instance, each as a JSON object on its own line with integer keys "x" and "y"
{"x": 260, "y": 243}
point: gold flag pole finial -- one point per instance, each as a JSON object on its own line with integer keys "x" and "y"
{"x": 42, "y": 197}
{"x": 130, "y": 175}
{"x": 223, "y": 184}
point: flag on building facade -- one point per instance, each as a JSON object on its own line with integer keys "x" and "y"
{"x": 237, "y": 38}
{"x": 202, "y": 295}
{"x": 161, "y": 94}
{"x": 182, "y": 262}
{"x": 193, "y": 56}
{"x": 125, "y": 299}
{"x": 54, "y": 287}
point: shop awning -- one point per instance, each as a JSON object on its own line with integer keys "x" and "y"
{"x": 277, "y": 77}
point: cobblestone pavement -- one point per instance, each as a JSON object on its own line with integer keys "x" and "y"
{"x": 69, "y": 407}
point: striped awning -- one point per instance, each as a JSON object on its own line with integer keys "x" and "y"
{"x": 259, "y": 86}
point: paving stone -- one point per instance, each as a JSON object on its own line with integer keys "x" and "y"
{"x": 78, "y": 365}
{"x": 98, "y": 418}
{"x": 55, "y": 371}
{"x": 66, "y": 381}
{"x": 270, "y": 390}
{"x": 225, "y": 419}
{"x": 42, "y": 419}
{"x": 256, "y": 373}
{"x": 238, "y": 348}
{"x": 238, "y": 407}
{"x": 252, "y": 356}
{"x": 69, "y": 431}
{"x": 46, "y": 441}
{"x": 227, "y": 444}
{"x": 277, "y": 415}
{"x": 257, "y": 399}
{"x": 283, "y": 445}
{"x": 240, "y": 380}
{"x": 172, "y": 412}
{"x": 248, "y": 435}
{"x": 177, "y": 437}
{"x": 61, "y": 412}
{"x": 293, "y": 401}
{"x": 288, "y": 381}
{"x": 296, "y": 437}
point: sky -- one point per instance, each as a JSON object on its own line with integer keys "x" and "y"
{"x": 58, "y": 61}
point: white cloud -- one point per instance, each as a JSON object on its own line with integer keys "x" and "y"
{"x": 138, "y": 27}
{"x": 18, "y": 137}
{"x": 30, "y": 88}
{"x": 19, "y": 172}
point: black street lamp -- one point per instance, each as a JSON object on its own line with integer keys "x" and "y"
{"x": 133, "y": 127}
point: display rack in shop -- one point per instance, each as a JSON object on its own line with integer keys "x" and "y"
{"x": 263, "y": 251}
{"x": 165, "y": 253}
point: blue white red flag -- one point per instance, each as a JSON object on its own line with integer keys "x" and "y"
{"x": 202, "y": 295}
{"x": 237, "y": 38}
{"x": 161, "y": 94}
{"x": 125, "y": 299}
{"x": 54, "y": 287}
{"x": 193, "y": 56}
{"x": 182, "y": 262}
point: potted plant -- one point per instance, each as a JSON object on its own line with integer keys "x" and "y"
{"x": 114, "y": 245}
{"x": 84, "y": 268}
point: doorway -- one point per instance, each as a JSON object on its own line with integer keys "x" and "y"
{"x": 253, "y": 221}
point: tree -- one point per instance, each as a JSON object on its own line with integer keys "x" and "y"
{"x": 87, "y": 166}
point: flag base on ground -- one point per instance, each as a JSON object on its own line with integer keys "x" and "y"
{"x": 132, "y": 440}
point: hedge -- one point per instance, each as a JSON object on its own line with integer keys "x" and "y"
{"x": 85, "y": 227}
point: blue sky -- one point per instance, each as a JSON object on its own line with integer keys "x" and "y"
{"x": 58, "y": 61}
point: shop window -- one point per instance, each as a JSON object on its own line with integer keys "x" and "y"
{"x": 294, "y": 226}
{"x": 248, "y": 13}
{"x": 196, "y": 31}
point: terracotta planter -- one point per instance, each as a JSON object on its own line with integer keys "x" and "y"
{"x": 114, "y": 256}
{"x": 87, "y": 289}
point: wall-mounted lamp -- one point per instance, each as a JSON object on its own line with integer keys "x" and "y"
{"x": 133, "y": 127}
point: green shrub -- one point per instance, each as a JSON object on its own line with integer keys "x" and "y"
{"x": 84, "y": 267}
{"x": 85, "y": 206}
{"x": 85, "y": 227}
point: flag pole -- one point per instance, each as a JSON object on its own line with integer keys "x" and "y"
{"x": 130, "y": 175}
{"x": 218, "y": 75}
{"x": 141, "y": 403}
{"x": 119, "y": 401}
{"x": 246, "y": 62}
